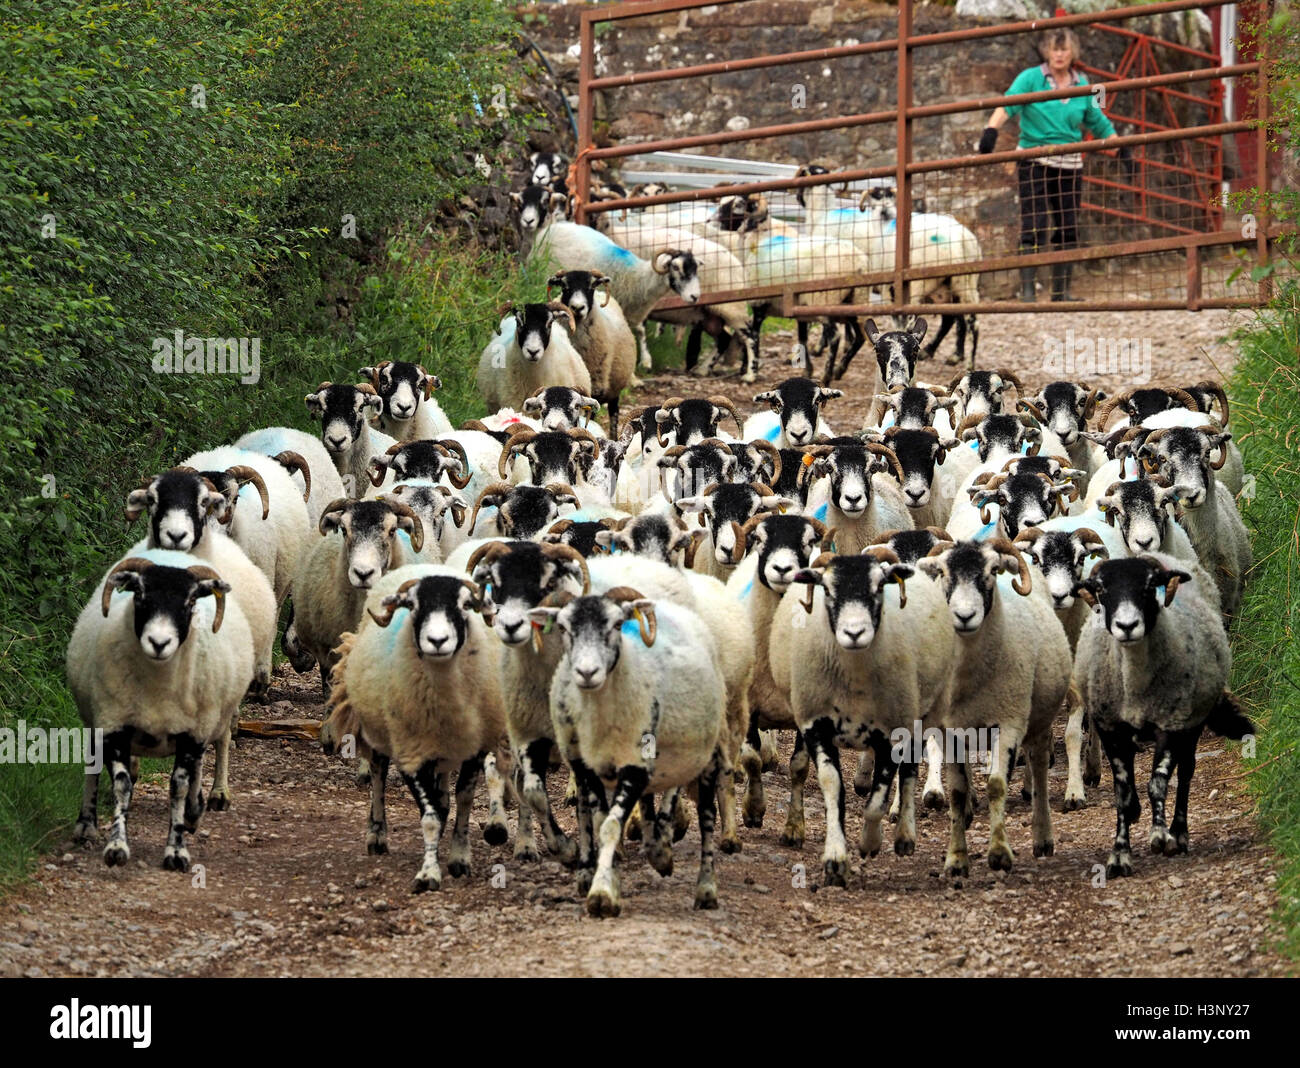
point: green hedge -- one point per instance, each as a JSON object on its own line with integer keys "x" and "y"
{"x": 1264, "y": 392}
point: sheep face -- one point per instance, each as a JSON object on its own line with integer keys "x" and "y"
{"x": 683, "y": 272}
{"x": 968, "y": 575}
{"x": 1024, "y": 501}
{"x": 1066, "y": 408}
{"x": 431, "y": 504}
{"x": 1129, "y": 593}
{"x": 850, "y": 469}
{"x": 533, "y": 324}
{"x": 582, "y": 536}
{"x": 1004, "y": 431}
{"x": 693, "y": 420}
{"x": 343, "y": 411}
{"x": 578, "y": 291}
{"x": 179, "y": 506}
{"x": 369, "y": 530}
{"x": 166, "y": 599}
{"x": 790, "y": 484}
{"x": 654, "y": 536}
{"x": 401, "y": 386}
{"x": 544, "y": 166}
{"x": 535, "y": 203}
{"x": 1143, "y": 403}
{"x": 1061, "y": 556}
{"x": 440, "y": 607}
{"x": 601, "y": 469}
{"x": 592, "y": 628}
{"x": 696, "y": 467}
{"x": 727, "y": 508}
{"x": 516, "y": 580}
{"x": 897, "y": 352}
{"x": 560, "y": 407}
{"x": 980, "y": 392}
{"x": 918, "y": 452}
{"x": 553, "y": 456}
{"x": 1142, "y": 509}
{"x": 528, "y": 510}
{"x": 416, "y": 459}
{"x": 798, "y": 402}
{"x": 853, "y": 587}
{"x": 784, "y": 544}
{"x": 913, "y": 545}
{"x": 1182, "y": 456}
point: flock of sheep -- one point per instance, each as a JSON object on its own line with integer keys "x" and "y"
{"x": 643, "y": 608}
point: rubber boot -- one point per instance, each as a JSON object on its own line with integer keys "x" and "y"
{"x": 1061, "y": 282}
{"x": 1028, "y": 293}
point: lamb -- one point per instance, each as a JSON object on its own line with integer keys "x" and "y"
{"x": 424, "y": 688}
{"x": 1182, "y": 456}
{"x": 183, "y": 508}
{"x": 641, "y": 715}
{"x": 879, "y": 662}
{"x": 526, "y": 353}
{"x": 410, "y": 413}
{"x": 345, "y": 412}
{"x": 319, "y": 482}
{"x": 1151, "y": 664}
{"x": 360, "y": 543}
{"x": 273, "y": 531}
{"x": 637, "y": 284}
{"x": 1011, "y": 670}
{"x": 856, "y": 504}
{"x": 160, "y": 674}
{"x": 602, "y": 337}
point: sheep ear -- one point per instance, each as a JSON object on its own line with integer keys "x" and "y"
{"x": 781, "y": 504}
{"x": 930, "y": 565}
{"x": 330, "y": 521}
{"x": 808, "y": 576}
{"x": 543, "y": 616}
{"x": 516, "y": 200}
{"x": 695, "y": 504}
{"x": 316, "y": 403}
{"x": 605, "y": 538}
{"x": 970, "y": 433}
{"x": 771, "y": 397}
{"x": 824, "y": 395}
{"x": 873, "y": 331}
{"x": 533, "y": 406}
{"x": 136, "y": 502}
{"x": 900, "y": 572}
{"x": 919, "y": 328}
{"x": 373, "y": 402}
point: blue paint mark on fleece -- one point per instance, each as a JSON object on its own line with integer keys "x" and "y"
{"x": 774, "y": 433}
{"x": 394, "y": 628}
{"x": 820, "y": 514}
{"x": 749, "y": 586}
{"x": 632, "y": 629}
{"x": 889, "y": 229}
{"x": 986, "y": 531}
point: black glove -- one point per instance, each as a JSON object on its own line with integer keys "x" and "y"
{"x": 988, "y": 139}
{"x": 1126, "y": 160}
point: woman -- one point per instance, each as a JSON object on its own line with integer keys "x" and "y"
{"x": 1050, "y": 186}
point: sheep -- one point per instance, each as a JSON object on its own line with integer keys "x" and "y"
{"x": 431, "y": 503}
{"x": 992, "y": 440}
{"x": 424, "y": 689}
{"x": 1064, "y": 408}
{"x": 1011, "y": 670}
{"x": 642, "y": 713}
{"x": 896, "y": 354}
{"x": 726, "y": 508}
{"x": 421, "y": 459}
{"x": 602, "y": 337}
{"x": 345, "y": 412}
{"x": 1181, "y": 456}
{"x": 1022, "y": 500}
{"x": 689, "y": 469}
{"x": 720, "y": 271}
{"x": 522, "y": 512}
{"x": 935, "y": 239}
{"x": 526, "y": 353}
{"x": 272, "y": 527}
{"x": 563, "y": 408}
{"x": 319, "y": 482}
{"x": 778, "y": 546}
{"x": 183, "y": 509}
{"x": 637, "y": 284}
{"x": 688, "y": 421}
{"x": 539, "y": 206}
{"x": 880, "y": 661}
{"x": 1146, "y": 513}
{"x": 545, "y": 168}
{"x": 162, "y": 674}
{"x": 555, "y": 456}
{"x": 581, "y": 535}
{"x": 854, "y": 503}
{"x": 913, "y": 408}
{"x": 798, "y": 404}
{"x": 360, "y": 542}
{"x": 410, "y": 413}
{"x": 1151, "y": 664}
{"x": 921, "y": 454}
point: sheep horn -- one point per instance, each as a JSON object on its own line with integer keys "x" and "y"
{"x": 883, "y": 553}
{"x": 568, "y": 552}
{"x": 1022, "y": 584}
{"x": 654, "y": 260}
{"x": 392, "y": 603}
{"x": 493, "y": 488}
{"x": 719, "y": 401}
{"x": 474, "y": 424}
{"x": 292, "y": 462}
{"x": 1033, "y": 408}
{"x": 514, "y": 442}
{"x": 1090, "y": 404}
{"x": 828, "y": 539}
{"x": 131, "y": 563}
{"x": 555, "y": 307}
{"x": 1216, "y": 389}
{"x": 339, "y": 504}
{"x": 202, "y": 571}
{"x": 1109, "y": 405}
{"x": 967, "y": 423}
{"x": 763, "y": 445}
{"x": 377, "y": 470}
{"x": 247, "y": 474}
{"x": 888, "y": 454}
{"x": 1183, "y": 397}
{"x": 454, "y": 446}
{"x": 578, "y": 433}
{"x": 366, "y": 387}
{"x": 738, "y": 549}
{"x": 646, "y": 620}
{"x": 1092, "y": 541}
{"x": 401, "y": 508}
{"x": 819, "y": 528}
{"x": 1010, "y": 376}
{"x": 1027, "y": 536}
{"x": 489, "y": 551}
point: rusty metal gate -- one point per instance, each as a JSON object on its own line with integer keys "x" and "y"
{"x": 1173, "y": 196}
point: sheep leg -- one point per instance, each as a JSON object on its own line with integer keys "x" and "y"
{"x": 957, "y": 776}
{"x": 1001, "y": 855}
{"x": 945, "y": 324}
{"x": 532, "y": 764}
{"x": 759, "y": 312}
{"x": 882, "y": 779}
{"x": 641, "y": 816}
{"x": 219, "y": 795}
{"x": 818, "y": 737}
{"x": 864, "y": 775}
{"x": 1162, "y": 768}
{"x": 185, "y": 773}
{"x": 749, "y": 355}
{"x": 659, "y": 831}
{"x": 495, "y": 831}
{"x": 88, "y": 819}
{"x": 1092, "y": 756}
{"x": 693, "y": 349}
{"x": 932, "y": 795}
{"x": 117, "y": 758}
{"x": 1038, "y": 749}
{"x": 644, "y": 362}
{"x": 1074, "y": 792}
{"x": 603, "y": 897}
{"x": 972, "y": 327}
{"x": 1120, "y": 748}
{"x": 377, "y": 831}
{"x": 793, "y": 835}
{"x": 1185, "y": 751}
{"x": 706, "y": 883}
{"x": 754, "y": 806}
{"x": 194, "y": 805}
{"x": 525, "y": 842}
{"x": 726, "y": 785}
{"x": 466, "y": 780}
{"x": 591, "y": 800}
{"x": 429, "y": 788}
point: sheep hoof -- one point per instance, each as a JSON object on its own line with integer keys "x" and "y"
{"x": 218, "y": 800}
{"x": 603, "y": 903}
{"x": 176, "y": 860}
{"x": 681, "y": 820}
{"x": 632, "y": 831}
{"x": 376, "y": 847}
{"x": 835, "y": 871}
{"x": 526, "y": 852}
{"x": 1044, "y": 849}
{"x": 1026, "y": 794}
{"x": 1177, "y": 844}
{"x": 583, "y": 881}
{"x": 730, "y": 845}
{"x": 706, "y": 895}
{"x": 116, "y": 854}
{"x": 495, "y": 834}
{"x": 425, "y": 881}
{"x": 661, "y": 859}
{"x": 1092, "y": 778}
{"x": 952, "y": 360}
{"x": 1073, "y": 802}
{"x": 1118, "y": 864}
{"x": 956, "y": 867}
{"x": 904, "y": 847}
{"x": 1159, "y": 840}
{"x": 458, "y": 869}
{"x": 893, "y": 816}
{"x": 792, "y": 835}
{"x": 1000, "y": 858}
{"x": 933, "y": 799}
{"x": 752, "y": 813}
{"x": 862, "y": 789}
{"x": 85, "y": 832}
